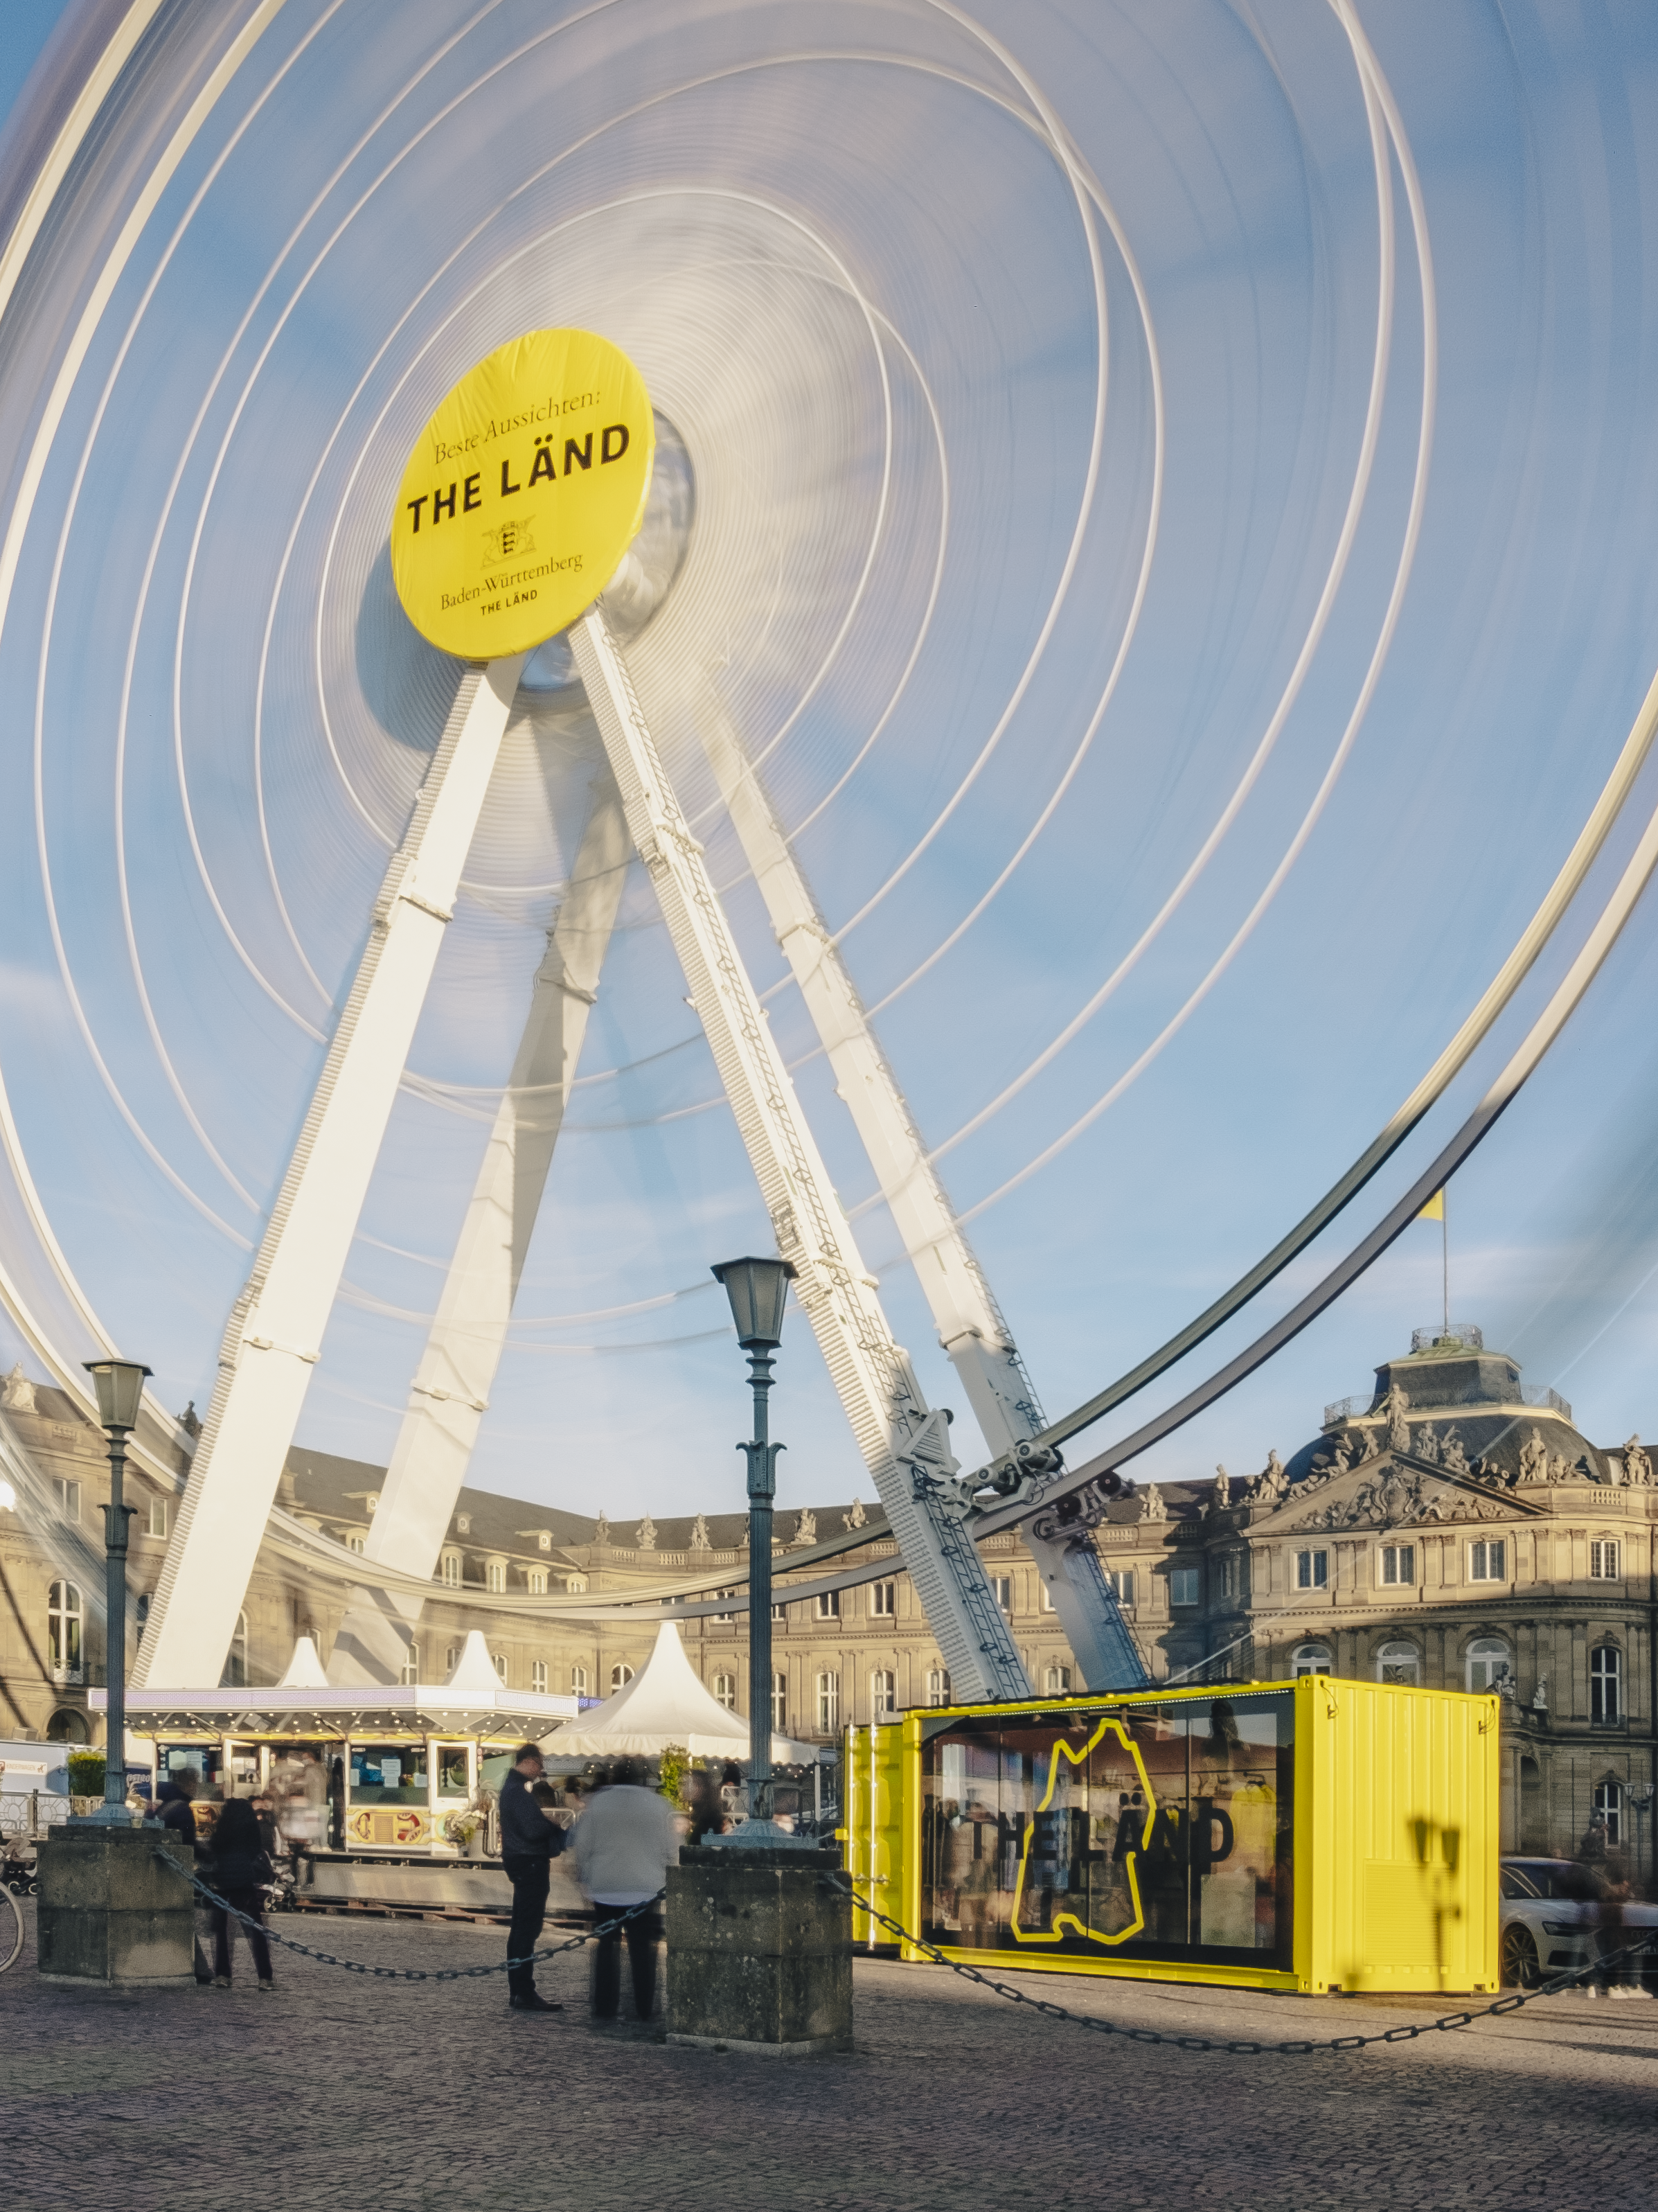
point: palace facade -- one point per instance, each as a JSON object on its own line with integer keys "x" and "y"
{"x": 1451, "y": 1528}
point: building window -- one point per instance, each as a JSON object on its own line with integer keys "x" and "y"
{"x": 576, "y": 1584}
{"x": 779, "y": 1612}
{"x": 1119, "y": 1581}
{"x": 1310, "y": 1658}
{"x": 826, "y": 1606}
{"x": 354, "y": 1541}
{"x": 1045, "y": 1598}
{"x": 1003, "y": 1587}
{"x": 1603, "y": 1560}
{"x": 500, "y": 1658}
{"x": 1607, "y": 1686}
{"x": 726, "y": 1616}
{"x": 463, "y": 1524}
{"x": 621, "y": 1674}
{"x": 1182, "y": 1586}
{"x": 155, "y": 1524}
{"x": 1488, "y": 1657}
{"x": 881, "y": 1598}
{"x": 1056, "y": 1681}
{"x": 411, "y": 1667}
{"x": 780, "y": 1702}
{"x": 1312, "y": 1570}
{"x": 724, "y": 1692}
{"x": 1486, "y": 1561}
{"x": 544, "y": 1541}
{"x": 938, "y": 1686}
{"x": 1609, "y": 1804}
{"x": 1234, "y": 1576}
{"x": 883, "y": 1693}
{"x": 828, "y": 1703}
{"x": 494, "y": 1576}
{"x": 69, "y": 1499}
{"x": 1398, "y": 1565}
{"x": 64, "y": 1632}
{"x": 1398, "y": 1662}
{"x": 578, "y": 1681}
{"x": 235, "y": 1676}
{"x": 452, "y": 1570}
{"x": 538, "y": 1677}
{"x": 537, "y": 1579}
{"x": 451, "y": 1654}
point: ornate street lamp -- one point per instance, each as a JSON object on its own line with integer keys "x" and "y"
{"x": 758, "y": 1291}
{"x": 120, "y": 1385}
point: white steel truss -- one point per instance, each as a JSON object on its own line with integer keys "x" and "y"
{"x": 449, "y": 1393}
{"x": 903, "y": 1445}
{"x": 274, "y": 1331}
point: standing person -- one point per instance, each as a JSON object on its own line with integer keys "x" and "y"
{"x": 176, "y": 1810}
{"x": 625, "y": 1842}
{"x": 707, "y": 1808}
{"x": 529, "y": 1845}
{"x": 238, "y": 1868}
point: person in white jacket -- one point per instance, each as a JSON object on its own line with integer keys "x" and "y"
{"x": 624, "y": 1843}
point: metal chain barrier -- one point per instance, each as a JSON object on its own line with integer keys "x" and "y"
{"x": 1240, "y": 2049}
{"x": 406, "y": 1973}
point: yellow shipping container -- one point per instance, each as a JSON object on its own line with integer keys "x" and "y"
{"x": 1315, "y": 1835}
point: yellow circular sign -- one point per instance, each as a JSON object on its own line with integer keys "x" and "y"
{"x": 522, "y": 494}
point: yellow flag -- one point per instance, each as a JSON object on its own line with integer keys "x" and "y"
{"x": 1434, "y": 1209}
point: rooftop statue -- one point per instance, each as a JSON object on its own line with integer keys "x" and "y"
{"x": 806, "y": 1528}
{"x": 700, "y": 1542}
{"x": 17, "y": 1394}
{"x": 646, "y": 1538}
{"x": 1638, "y": 1468}
{"x": 857, "y": 1518}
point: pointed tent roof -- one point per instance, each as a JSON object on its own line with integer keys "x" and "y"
{"x": 305, "y": 1668}
{"x": 665, "y": 1703}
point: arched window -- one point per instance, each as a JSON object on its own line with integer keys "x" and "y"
{"x": 537, "y": 1579}
{"x": 66, "y": 1726}
{"x": 1056, "y": 1681}
{"x": 779, "y": 1701}
{"x": 63, "y": 1632}
{"x": 621, "y": 1674}
{"x": 1398, "y": 1662}
{"x": 1605, "y": 1686}
{"x": 1488, "y": 1662}
{"x": 410, "y": 1664}
{"x": 883, "y": 1693}
{"x": 828, "y": 1703}
{"x": 495, "y": 1576}
{"x": 538, "y": 1677}
{"x": 724, "y": 1692}
{"x": 578, "y": 1681}
{"x": 1609, "y": 1804}
{"x": 1309, "y": 1659}
{"x": 938, "y": 1686}
{"x": 235, "y": 1676}
{"x": 452, "y": 1570}
{"x": 500, "y": 1658}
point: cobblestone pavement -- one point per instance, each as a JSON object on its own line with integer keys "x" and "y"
{"x": 340, "y": 2092}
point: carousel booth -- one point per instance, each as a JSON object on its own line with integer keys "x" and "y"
{"x": 384, "y": 1795}
{"x": 1315, "y": 1835}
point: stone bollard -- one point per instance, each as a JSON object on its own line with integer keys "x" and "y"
{"x": 109, "y": 1912}
{"x": 759, "y": 1952}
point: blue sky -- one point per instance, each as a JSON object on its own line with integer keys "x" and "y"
{"x": 1232, "y": 145}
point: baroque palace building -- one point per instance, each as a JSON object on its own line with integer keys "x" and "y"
{"x": 1451, "y": 1528}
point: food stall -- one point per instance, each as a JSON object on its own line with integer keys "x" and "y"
{"x": 385, "y": 1794}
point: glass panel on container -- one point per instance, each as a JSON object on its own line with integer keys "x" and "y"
{"x": 389, "y": 1773}
{"x": 453, "y": 1778}
{"x": 1159, "y": 1830}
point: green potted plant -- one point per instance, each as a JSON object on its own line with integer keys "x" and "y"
{"x": 86, "y": 1781}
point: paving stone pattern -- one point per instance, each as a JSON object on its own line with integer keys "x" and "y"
{"x": 341, "y": 2092}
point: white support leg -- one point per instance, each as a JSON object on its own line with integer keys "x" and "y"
{"x": 456, "y": 1372}
{"x": 903, "y": 1445}
{"x": 971, "y": 1329}
{"x": 276, "y": 1326}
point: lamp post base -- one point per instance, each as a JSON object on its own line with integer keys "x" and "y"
{"x": 759, "y": 1950}
{"x": 110, "y": 1911}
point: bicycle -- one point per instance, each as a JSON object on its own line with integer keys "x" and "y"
{"x": 11, "y": 1938}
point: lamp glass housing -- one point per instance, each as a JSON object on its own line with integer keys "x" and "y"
{"x": 758, "y": 1291}
{"x": 120, "y": 1391}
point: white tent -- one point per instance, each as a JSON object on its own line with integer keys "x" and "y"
{"x": 665, "y": 1703}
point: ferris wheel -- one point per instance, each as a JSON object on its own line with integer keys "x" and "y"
{"x": 805, "y": 820}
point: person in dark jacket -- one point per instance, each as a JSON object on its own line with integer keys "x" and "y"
{"x": 530, "y": 1842}
{"x": 238, "y": 1868}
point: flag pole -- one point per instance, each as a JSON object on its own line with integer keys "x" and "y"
{"x": 1445, "y": 1253}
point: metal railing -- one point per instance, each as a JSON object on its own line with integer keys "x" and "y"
{"x": 1460, "y": 1332}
